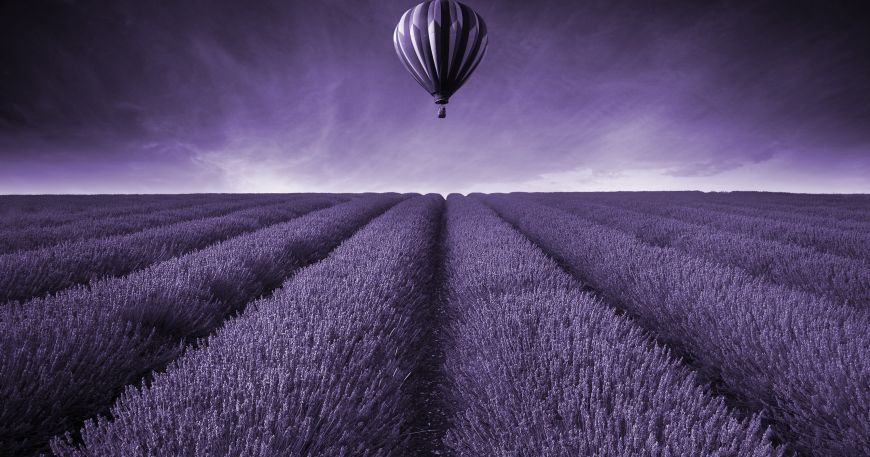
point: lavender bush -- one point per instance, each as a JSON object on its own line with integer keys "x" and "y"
{"x": 831, "y": 207}
{"x": 601, "y": 324}
{"x": 35, "y": 236}
{"x": 824, "y": 217}
{"x": 29, "y": 274}
{"x": 323, "y": 367}
{"x": 841, "y": 278}
{"x": 24, "y": 211}
{"x": 66, "y": 357}
{"x": 540, "y": 368}
{"x": 850, "y": 243}
{"x": 799, "y": 359}
{"x": 833, "y": 215}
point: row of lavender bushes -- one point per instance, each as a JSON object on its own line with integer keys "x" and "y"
{"x": 832, "y": 215}
{"x": 28, "y": 274}
{"x": 36, "y": 236}
{"x": 823, "y": 217}
{"x": 798, "y": 210}
{"x": 23, "y": 211}
{"x": 537, "y": 367}
{"x": 835, "y": 206}
{"x": 799, "y": 359}
{"x": 325, "y": 366}
{"x": 841, "y": 278}
{"x": 67, "y": 357}
{"x": 850, "y": 243}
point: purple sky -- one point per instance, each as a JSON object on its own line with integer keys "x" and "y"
{"x": 200, "y": 96}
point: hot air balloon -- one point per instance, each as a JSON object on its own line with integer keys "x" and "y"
{"x": 440, "y": 42}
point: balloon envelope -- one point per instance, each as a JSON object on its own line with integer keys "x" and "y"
{"x": 440, "y": 42}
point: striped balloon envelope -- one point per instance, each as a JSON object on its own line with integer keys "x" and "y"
{"x": 440, "y": 42}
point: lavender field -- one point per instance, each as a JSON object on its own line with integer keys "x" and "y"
{"x": 525, "y": 324}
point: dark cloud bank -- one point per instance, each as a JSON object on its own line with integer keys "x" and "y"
{"x": 131, "y": 96}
